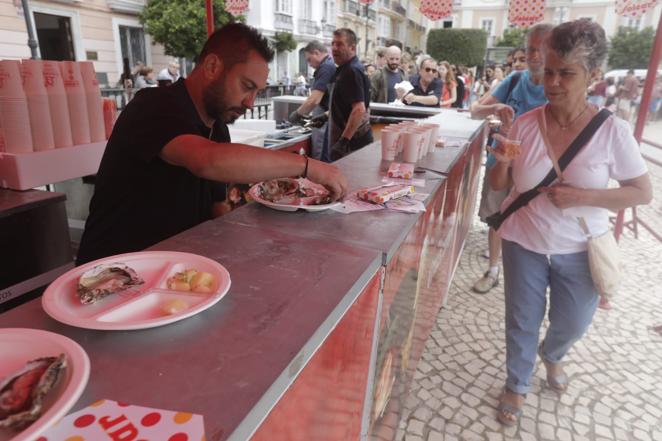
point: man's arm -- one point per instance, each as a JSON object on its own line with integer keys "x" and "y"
{"x": 355, "y": 118}
{"x": 489, "y": 105}
{"x": 245, "y": 164}
{"x": 428, "y": 100}
{"x": 375, "y": 85}
{"x": 313, "y": 100}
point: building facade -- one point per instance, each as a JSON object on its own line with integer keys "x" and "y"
{"x": 102, "y": 31}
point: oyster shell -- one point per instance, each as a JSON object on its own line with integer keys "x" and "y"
{"x": 22, "y": 394}
{"x": 105, "y": 279}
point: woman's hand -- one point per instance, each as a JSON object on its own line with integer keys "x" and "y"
{"x": 565, "y": 196}
{"x": 498, "y": 153}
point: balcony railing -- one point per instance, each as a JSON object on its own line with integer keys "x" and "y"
{"x": 327, "y": 30}
{"x": 283, "y": 21}
{"x": 352, "y": 7}
{"x": 308, "y": 27}
{"x": 397, "y": 7}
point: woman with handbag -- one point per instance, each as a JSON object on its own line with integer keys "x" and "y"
{"x": 545, "y": 219}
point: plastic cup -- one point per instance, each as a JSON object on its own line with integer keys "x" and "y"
{"x": 58, "y": 104}
{"x": 73, "y": 86}
{"x": 40, "y": 114}
{"x": 411, "y": 145}
{"x": 511, "y": 147}
{"x": 389, "y": 144}
{"x": 93, "y": 100}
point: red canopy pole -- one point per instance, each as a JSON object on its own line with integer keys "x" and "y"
{"x": 210, "y": 17}
{"x": 650, "y": 83}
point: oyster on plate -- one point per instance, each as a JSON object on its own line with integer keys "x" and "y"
{"x": 22, "y": 393}
{"x": 294, "y": 192}
{"x": 106, "y": 279}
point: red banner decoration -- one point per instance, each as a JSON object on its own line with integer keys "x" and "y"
{"x": 525, "y": 13}
{"x": 436, "y": 9}
{"x": 366, "y": 2}
{"x": 236, "y": 7}
{"x": 634, "y": 8}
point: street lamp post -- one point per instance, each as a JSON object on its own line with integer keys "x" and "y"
{"x": 32, "y": 41}
{"x": 367, "y": 20}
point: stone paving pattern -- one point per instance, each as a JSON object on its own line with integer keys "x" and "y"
{"x": 615, "y": 371}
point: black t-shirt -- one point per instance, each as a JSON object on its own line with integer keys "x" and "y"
{"x": 434, "y": 88}
{"x": 139, "y": 199}
{"x": 351, "y": 86}
{"x": 392, "y": 78}
{"x": 323, "y": 76}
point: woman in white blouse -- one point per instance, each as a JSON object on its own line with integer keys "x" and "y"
{"x": 543, "y": 242}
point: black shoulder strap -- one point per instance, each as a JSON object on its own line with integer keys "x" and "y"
{"x": 513, "y": 82}
{"x": 580, "y": 141}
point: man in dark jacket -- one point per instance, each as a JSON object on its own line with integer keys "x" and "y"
{"x": 383, "y": 80}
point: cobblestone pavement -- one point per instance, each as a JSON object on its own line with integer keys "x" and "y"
{"x": 615, "y": 371}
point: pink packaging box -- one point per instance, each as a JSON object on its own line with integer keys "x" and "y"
{"x": 379, "y": 195}
{"x": 400, "y": 170}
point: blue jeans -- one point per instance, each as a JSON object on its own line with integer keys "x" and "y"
{"x": 573, "y": 301}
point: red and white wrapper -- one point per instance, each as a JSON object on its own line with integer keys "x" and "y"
{"x": 108, "y": 420}
{"x": 436, "y": 9}
{"x": 400, "y": 170}
{"x": 634, "y": 8}
{"x": 526, "y": 13}
{"x": 379, "y": 195}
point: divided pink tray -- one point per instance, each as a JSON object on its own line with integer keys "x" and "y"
{"x": 140, "y": 307}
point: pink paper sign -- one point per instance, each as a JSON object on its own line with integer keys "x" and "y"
{"x": 525, "y": 13}
{"x": 236, "y": 7}
{"x": 436, "y": 9}
{"x": 111, "y": 421}
{"x": 634, "y": 8}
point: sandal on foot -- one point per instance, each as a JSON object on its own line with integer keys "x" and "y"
{"x": 558, "y": 383}
{"x": 504, "y": 409}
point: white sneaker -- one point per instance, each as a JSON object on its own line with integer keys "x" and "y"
{"x": 486, "y": 283}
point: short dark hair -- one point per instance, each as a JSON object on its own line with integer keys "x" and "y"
{"x": 582, "y": 41}
{"x": 347, "y": 33}
{"x": 315, "y": 45}
{"x": 233, "y": 42}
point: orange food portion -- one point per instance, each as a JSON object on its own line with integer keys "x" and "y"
{"x": 509, "y": 148}
{"x": 192, "y": 280}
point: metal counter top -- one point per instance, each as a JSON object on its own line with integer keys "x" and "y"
{"x": 382, "y": 230}
{"x": 377, "y": 108}
{"x": 232, "y": 362}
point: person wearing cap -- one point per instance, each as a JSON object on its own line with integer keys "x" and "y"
{"x": 169, "y": 157}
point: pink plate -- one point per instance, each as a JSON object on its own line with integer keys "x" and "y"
{"x": 18, "y": 346}
{"x": 141, "y": 307}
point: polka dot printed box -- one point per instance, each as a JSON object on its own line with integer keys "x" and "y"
{"x": 110, "y": 420}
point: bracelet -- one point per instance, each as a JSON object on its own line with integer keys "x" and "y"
{"x": 305, "y": 170}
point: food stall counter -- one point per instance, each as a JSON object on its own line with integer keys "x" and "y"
{"x": 232, "y": 362}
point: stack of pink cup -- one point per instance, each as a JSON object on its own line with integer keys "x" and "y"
{"x": 14, "y": 114}
{"x": 93, "y": 100}
{"x": 40, "y": 114}
{"x": 73, "y": 86}
{"x": 57, "y": 103}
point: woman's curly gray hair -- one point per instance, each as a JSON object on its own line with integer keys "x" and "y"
{"x": 582, "y": 41}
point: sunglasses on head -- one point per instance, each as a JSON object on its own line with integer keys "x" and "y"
{"x": 430, "y": 69}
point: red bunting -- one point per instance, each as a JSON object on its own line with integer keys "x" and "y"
{"x": 236, "y": 7}
{"x": 436, "y": 9}
{"x": 366, "y": 2}
{"x": 634, "y": 8}
{"x": 525, "y": 13}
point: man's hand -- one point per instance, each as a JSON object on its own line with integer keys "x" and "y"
{"x": 409, "y": 98}
{"x": 319, "y": 120}
{"x": 296, "y": 118}
{"x": 339, "y": 149}
{"x": 564, "y": 196}
{"x": 329, "y": 176}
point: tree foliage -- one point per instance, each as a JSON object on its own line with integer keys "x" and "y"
{"x": 284, "y": 42}
{"x": 181, "y": 25}
{"x": 631, "y": 48}
{"x": 458, "y": 46}
{"x": 512, "y": 37}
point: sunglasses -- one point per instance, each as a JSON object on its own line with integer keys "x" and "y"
{"x": 430, "y": 69}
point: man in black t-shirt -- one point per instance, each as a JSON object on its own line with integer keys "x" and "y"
{"x": 349, "y": 120}
{"x": 170, "y": 149}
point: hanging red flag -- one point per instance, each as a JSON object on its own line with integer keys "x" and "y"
{"x": 236, "y": 7}
{"x": 366, "y": 2}
{"x": 634, "y": 8}
{"x": 436, "y": 9}
{"x": 525, "y": 13}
